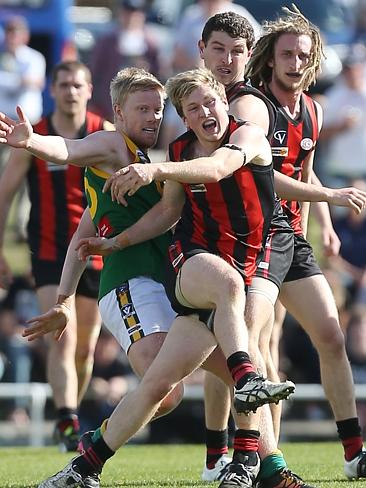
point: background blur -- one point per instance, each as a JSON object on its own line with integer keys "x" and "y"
{"x": 108, "y": 35}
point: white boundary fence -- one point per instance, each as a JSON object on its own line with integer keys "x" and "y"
{"x": 38, "y": 393}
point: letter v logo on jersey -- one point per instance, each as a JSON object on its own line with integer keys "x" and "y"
{"x": 280, "y": 136}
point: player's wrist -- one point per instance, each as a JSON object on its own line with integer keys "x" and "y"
{"x": 121, "y": 241}
{"x": 64, "y": 301}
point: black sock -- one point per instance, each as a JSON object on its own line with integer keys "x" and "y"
{"x": 246, "y": 446}
{"x": 241, "y": 368}
{"x": 66, "y": 413}
{"x": 217, "y": 446}
{"x": 93, "y": 459}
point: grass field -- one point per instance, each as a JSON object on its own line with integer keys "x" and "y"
{"x": 168, "y": 466}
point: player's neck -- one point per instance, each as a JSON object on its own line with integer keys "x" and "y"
{"x": 289, "y": 100}
{"x": 68, "y": 125}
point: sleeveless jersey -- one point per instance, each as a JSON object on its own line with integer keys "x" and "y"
{"x": 57, "y": 199}
{"x": 229, "y": 218}
{"x": 110, "y": 218}
{"x": 292, "y": 142}
{"x": 242, "y": 88}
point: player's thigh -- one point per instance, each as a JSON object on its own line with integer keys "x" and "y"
{"x": 311, "y": 302}
{"x": 88, "y": 324}
{"x": 216, "y": 364}
{"x": 135, "y": 310}
{"x": 205, "y": 278}
{"x": 186, "y": 346}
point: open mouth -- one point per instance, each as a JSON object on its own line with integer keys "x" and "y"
{"x": 149, "y": 130}
{"x": 209, "y": 125}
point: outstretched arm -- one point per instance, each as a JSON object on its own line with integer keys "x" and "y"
{"x": 97, "y": 148}
{"x": 221, "y": 163}
{"x": 57, "y": 318}
{"x": 290, "y": 189}
{"x": 158, "y": 220}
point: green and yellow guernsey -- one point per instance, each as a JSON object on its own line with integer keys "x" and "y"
{"x": 111, "y": 218}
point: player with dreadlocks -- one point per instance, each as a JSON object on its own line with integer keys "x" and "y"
{"x": 285, "y": 62}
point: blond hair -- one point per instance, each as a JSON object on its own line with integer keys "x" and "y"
{"x": 180, "y": 86}
{"x": 294, "y": 22}
{"x": 130, "y": 80}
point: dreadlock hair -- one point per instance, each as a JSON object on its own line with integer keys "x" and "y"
{"x": 235, "y": 25}
{"x": 293, "y": 23}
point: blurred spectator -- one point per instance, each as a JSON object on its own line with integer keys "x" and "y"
{"x": 110, "y": 381}
{"x": 18, "y": 306}
{"x": 344, "y": 125}
{"x": 22, "y": 71}
{"x": 351, "y": 263}
{"x": 360, "y": 27}
{"x": 22, "y": 78}
{"x": 130, "y": 44}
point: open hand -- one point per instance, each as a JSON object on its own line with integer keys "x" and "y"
{"x": 349, "y": 197}
{"x": 55, "y": 320}
{"x": 95, "y": 245}
{"x": 129, "y": 180}
{"x": 15, "y": 133}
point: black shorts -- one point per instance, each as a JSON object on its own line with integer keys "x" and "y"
{"x": 176, "y": 258}
{"x": 49, "y": 273}
{"x": 304, "y": 263}
{"x": 277, "y": 257}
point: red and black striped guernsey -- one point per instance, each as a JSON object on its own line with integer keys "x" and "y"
{"x": 292, "y": 141}
{"x": 229, "y": 218}
{"x": 57, "y": 199}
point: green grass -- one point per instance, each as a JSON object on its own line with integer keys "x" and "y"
{"x": 167, "y": 466}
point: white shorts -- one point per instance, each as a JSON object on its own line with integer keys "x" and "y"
{"x": 135, "y": 309}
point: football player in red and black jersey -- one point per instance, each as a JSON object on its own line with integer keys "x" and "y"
{"x": 57, "y": 203}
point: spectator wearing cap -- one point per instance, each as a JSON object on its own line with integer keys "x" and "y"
{"x": 130, "y": 44}
{"x": 344, "y": 128}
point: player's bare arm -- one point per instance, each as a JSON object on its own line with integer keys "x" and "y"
{"x": 251, "y": 108}
{"x": 249, "y": 139}
{"x": 99, "y": 148}
{"x": 159, "y": 219}
{"x": 290, "y": 189}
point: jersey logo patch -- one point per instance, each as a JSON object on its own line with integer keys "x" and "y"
{"x": 307, "y": 144}
{"x": 280, "y": 136}
{"x": 104, "y": 227}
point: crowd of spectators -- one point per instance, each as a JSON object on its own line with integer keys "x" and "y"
{"x": 340, "y": 161}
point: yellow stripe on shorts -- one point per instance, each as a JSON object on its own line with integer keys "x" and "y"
{"x": 128, "y": 313}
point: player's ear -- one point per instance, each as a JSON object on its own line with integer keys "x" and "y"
{"x": 201, "y": 47}
{"x": 118, "y": 112}
{"x": 185, "y": 122}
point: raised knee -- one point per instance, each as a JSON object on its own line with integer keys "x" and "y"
{"x": 172, "y": 400}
